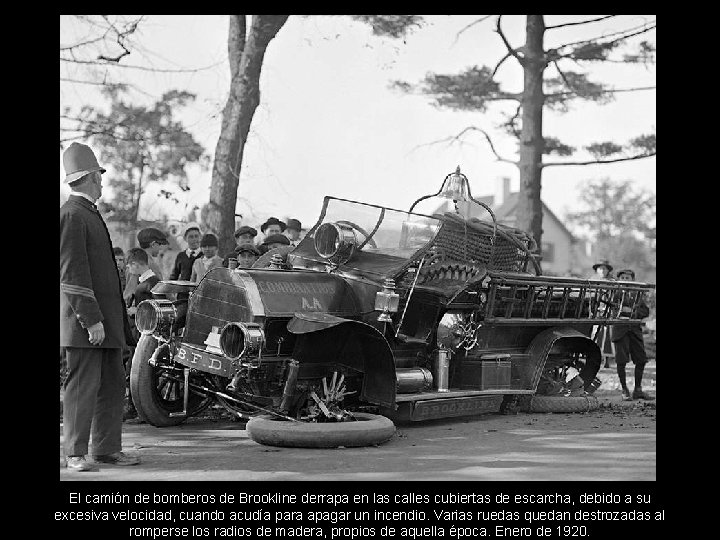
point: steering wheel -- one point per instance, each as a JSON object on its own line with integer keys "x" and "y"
{"x": 368, "y": 238}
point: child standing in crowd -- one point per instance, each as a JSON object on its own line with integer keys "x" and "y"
{"x": 185, "y": 259}
{"x": 629, "y": 345}
{"x": 272, "y": 241}
{"x": 246, "y": 255}
{"x": 152, "y": 241}
{"x": 209, "y": 260}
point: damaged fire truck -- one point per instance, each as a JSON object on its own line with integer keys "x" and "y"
{"x": 378, "y": 315}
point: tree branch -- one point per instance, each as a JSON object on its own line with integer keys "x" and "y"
{"x": 83, "y": 43}
{"x": 506, "y": 42}
{"x": 564, "y": 78}
{"x": 511, "y": 121}
{"x": 497, "y": 66}
{"x": 553, "y": 53}
{"x": 609, "y": 91}
{"x": 458, "y": 138}
{"x": 596, "y": 161}
{"x": 481, "y": 19}
{"x": 143, "y": 68}
{"x": 579, "y": 22}
{"x": 87, "y": 82}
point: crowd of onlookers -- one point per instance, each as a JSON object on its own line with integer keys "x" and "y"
{"x": 140, "y": 264}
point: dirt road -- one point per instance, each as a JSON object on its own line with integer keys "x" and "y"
{"x": 615, "y": 442}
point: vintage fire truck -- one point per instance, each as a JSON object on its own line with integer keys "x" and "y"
{"x": 378, "y": 315}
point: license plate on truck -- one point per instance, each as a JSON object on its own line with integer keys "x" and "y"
{"x": 204, "y": 361}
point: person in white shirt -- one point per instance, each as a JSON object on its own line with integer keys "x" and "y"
{"x": 209, "y": 260}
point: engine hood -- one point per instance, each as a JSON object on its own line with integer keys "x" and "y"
{"x": 252, "y": 295}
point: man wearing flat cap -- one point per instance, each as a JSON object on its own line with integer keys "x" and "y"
{"x": 152, "y": 240}
{"x": 272, "y": 241}
{"x": 629, "y": 344}
{"x": 272, "y": 226}
{"x": 244, "y": 236}
{"x": 93, "y": 322}
{"x": 246, "y": 255}
{"x": 293, "y": 231}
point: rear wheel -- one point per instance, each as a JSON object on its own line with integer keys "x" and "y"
{"x": 559, "y": 404}
{"x": 157, "y": 391}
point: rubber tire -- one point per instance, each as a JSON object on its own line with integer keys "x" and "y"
{"x": 142, "y": 388}
{"x": 371, "y": 429}
{"x": 560, "y": 404}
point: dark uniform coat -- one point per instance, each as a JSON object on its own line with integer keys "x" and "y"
{"x": 183, "y": 265}
{"x": 90, "y": 289}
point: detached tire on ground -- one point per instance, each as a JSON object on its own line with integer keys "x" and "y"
{"x": 369, "y": 429}
{"x": 559, "y": 404}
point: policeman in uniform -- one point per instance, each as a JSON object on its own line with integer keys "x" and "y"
{"x": 93, "y": 322}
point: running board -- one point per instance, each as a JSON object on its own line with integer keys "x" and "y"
{"x": 434, "y": 405}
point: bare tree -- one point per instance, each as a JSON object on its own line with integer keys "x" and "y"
{"x": 97, "y": 52}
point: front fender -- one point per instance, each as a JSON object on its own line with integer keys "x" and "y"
{"x": 327, "y": 338}
{"x": 542, "y": 344}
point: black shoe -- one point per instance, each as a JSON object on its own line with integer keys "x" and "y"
{"x": 118, "y": 458}
{"x": 639, "y": 394}
{"x": 626, "y": 395}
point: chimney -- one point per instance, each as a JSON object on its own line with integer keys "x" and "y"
{"x": 502, "y": 191}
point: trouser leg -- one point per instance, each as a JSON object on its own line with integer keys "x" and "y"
{"x": 81, "y": 388}
{"x": 639, "y": 368}
{"x": 621, "y": 359}
{"x": 107, "y": 421}
{"x": 639, "y": 357}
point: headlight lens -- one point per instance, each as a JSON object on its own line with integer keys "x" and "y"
{"x": 155, "y": 316}
{"x": 335, "y": 242}
{"x": 241, "y": 339}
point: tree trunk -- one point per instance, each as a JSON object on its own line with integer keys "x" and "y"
{"x": 246, "y": 57}
{"x": 139, "y": 192}
{"x": 529, "y": 206}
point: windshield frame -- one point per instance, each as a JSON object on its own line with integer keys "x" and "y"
{"x": 308, "y": 239}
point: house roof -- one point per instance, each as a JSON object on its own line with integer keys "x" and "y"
{"x": 506, "y": 212}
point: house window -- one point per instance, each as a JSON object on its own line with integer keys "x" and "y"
{"x": 548, "y": 252}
